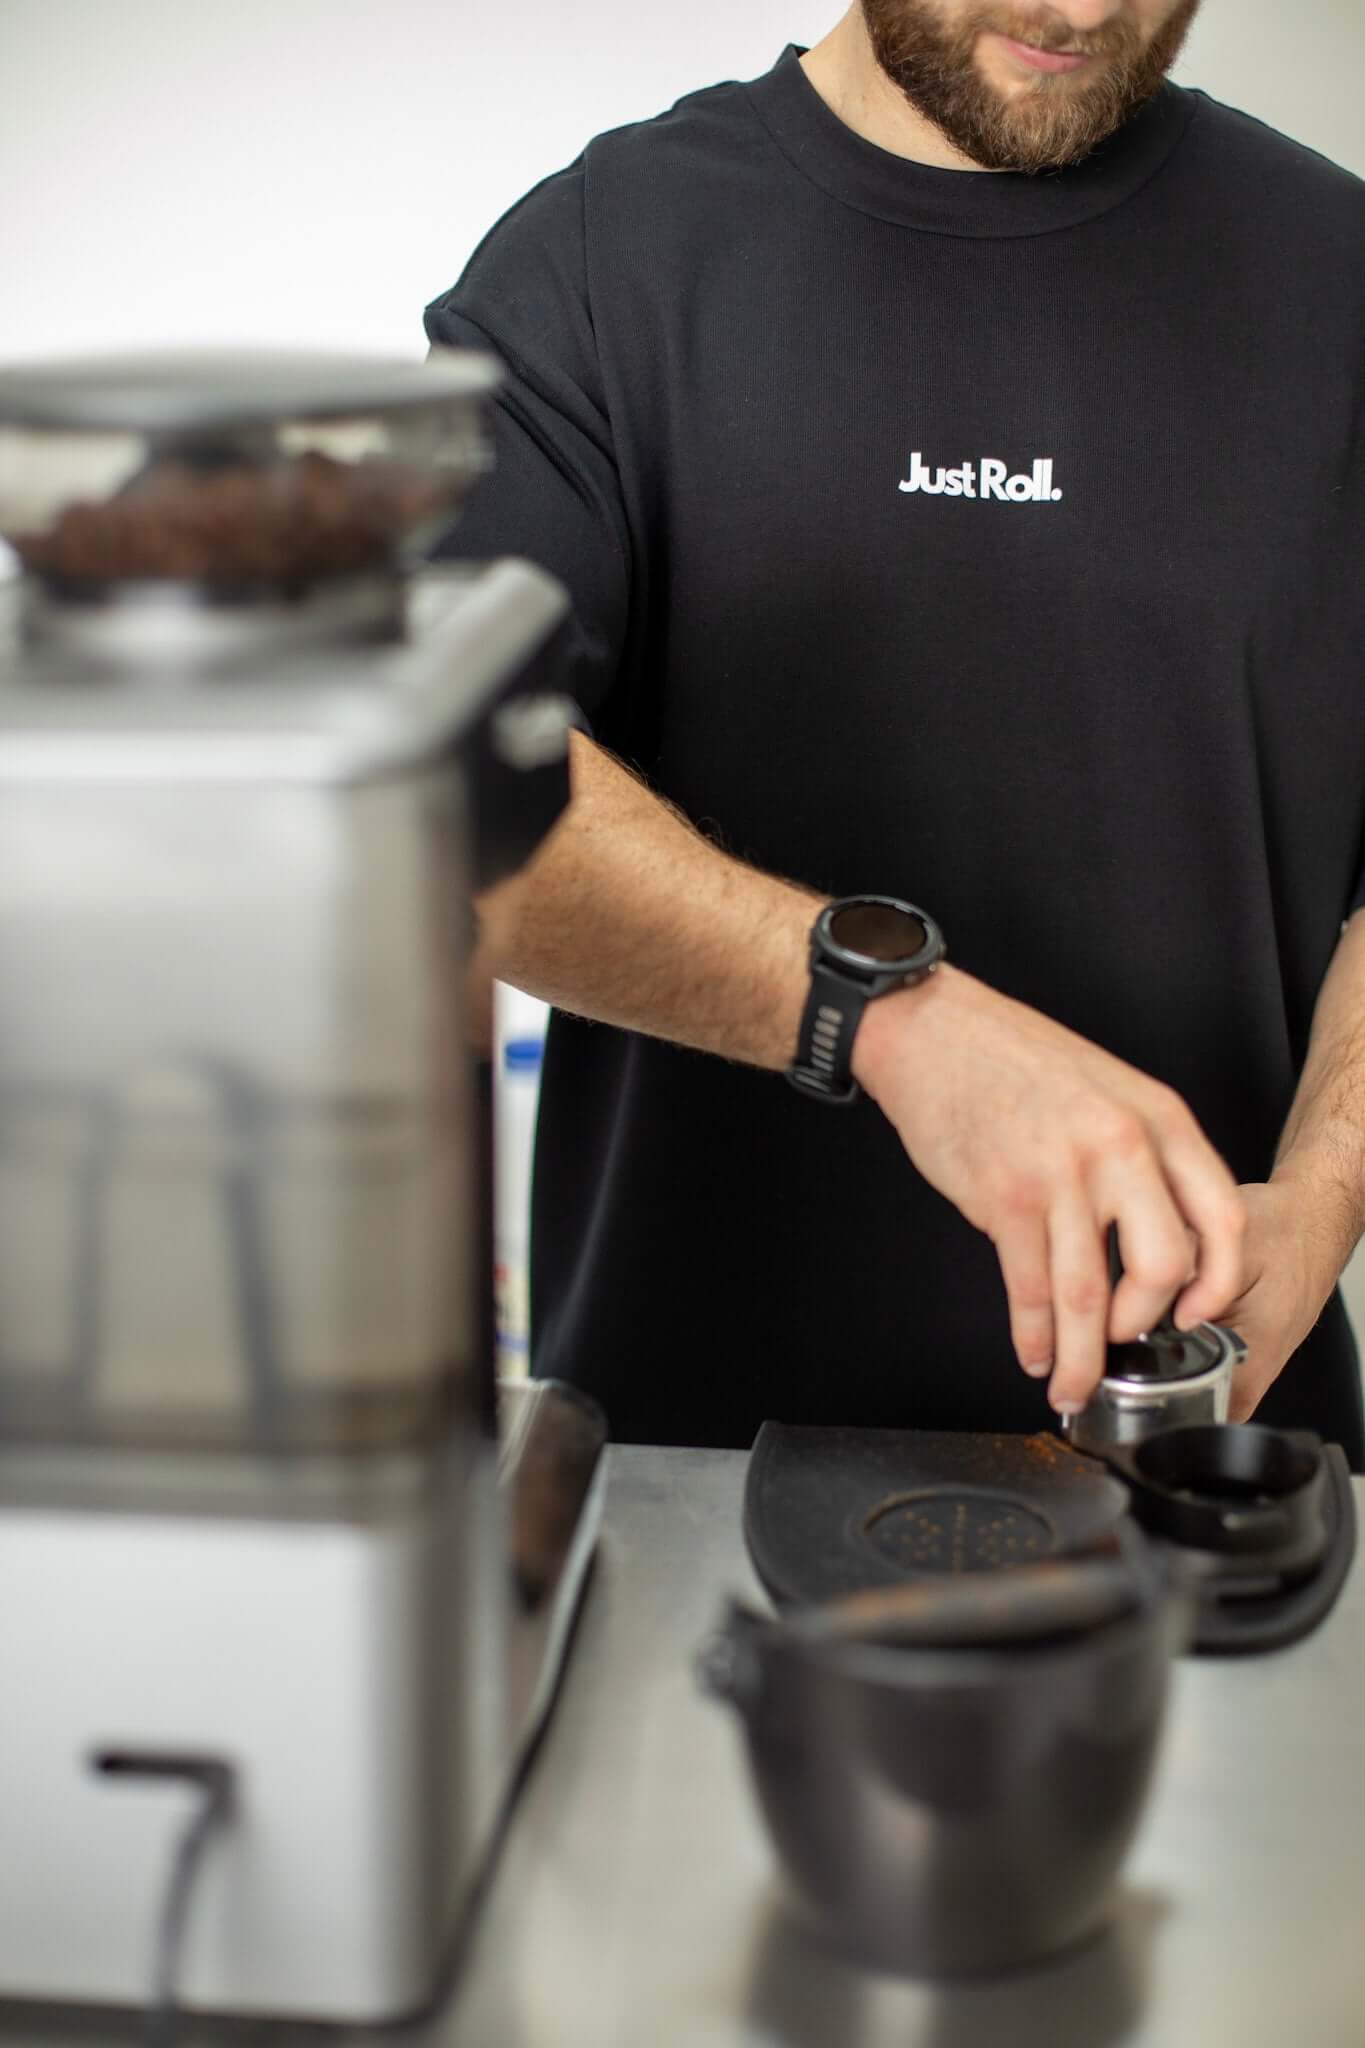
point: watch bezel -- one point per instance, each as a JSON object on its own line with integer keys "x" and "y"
{"x": 862, "y": 965}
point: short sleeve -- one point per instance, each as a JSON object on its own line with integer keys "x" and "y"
{"x": 553, "y": 495}
{"x": 1356, "y": 900}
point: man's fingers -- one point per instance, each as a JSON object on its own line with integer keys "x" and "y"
{"x": 1023, "y": 1253}
{"x": 1250, "y": 1385}
{"x": 1180, "y": 1219}
{"x": 1212, "y": 1203}
{"x": 1154, "y": 1245}
{"x": 1080, "y": 1300}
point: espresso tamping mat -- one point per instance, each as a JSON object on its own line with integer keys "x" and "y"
{"x": 830, "y": 1511}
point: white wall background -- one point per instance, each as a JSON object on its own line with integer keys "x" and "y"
{"x": 312, "y": 171}
{"x": 315, "y": 170}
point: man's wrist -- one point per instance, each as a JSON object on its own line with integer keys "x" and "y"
{"x": 1329, "y": 1200}
{"x": 892, "y": 1023}
{"x": 864, "y": 950}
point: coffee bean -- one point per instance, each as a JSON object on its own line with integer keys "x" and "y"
{"x": 280, "y": 526}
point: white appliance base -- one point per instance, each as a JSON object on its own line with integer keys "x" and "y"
{"x": 326, "y": 1663}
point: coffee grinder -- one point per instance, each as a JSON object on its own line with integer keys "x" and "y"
{"x": 255, "y": 761}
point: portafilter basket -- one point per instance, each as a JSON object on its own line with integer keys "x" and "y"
{"x": 1166, "y": 1378}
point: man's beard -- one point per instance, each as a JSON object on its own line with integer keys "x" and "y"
{"x": 1060, "y": 119}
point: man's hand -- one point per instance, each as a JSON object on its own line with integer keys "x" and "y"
{"x": 1042, "y": 1139}
{"x": 1285, "y": 1289}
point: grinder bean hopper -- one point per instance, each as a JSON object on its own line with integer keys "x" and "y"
{"x": 254, "y": 763}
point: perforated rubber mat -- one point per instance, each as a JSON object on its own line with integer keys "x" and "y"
{"x": 834, "y": 1511}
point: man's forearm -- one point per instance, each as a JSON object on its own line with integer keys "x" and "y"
{"x": 1322, "y": 1149}
{"x": 629, "y": 916}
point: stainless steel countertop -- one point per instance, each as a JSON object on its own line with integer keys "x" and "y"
{"x": 635, "y": 1904}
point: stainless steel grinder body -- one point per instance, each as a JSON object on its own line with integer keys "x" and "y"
{"x": 234, "y": 920}
{"x": 248, "y": 1499}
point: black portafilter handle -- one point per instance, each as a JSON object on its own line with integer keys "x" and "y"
{"x": 1267, "y": 1516}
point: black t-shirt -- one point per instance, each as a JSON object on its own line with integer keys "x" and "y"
{"x": 987, "y": 540}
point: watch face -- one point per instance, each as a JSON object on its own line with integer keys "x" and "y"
{"x": 877, "y": 931}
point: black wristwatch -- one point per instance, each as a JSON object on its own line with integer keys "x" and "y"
{"x": 860, "y": 948}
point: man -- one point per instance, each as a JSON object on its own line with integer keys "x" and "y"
{"x": 951, "y": 442}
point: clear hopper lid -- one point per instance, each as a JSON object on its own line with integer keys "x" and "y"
{"x": 235, "y": 472}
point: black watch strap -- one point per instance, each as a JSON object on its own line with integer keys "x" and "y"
{"x": 824, "y": 1048}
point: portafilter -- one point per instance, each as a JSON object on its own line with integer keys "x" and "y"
{"x": 1165, "y": 1378}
